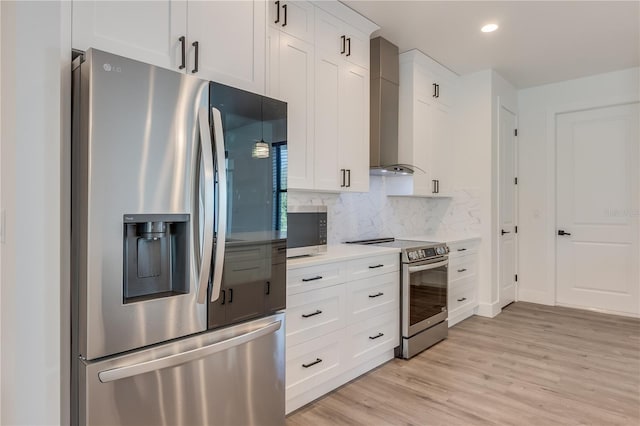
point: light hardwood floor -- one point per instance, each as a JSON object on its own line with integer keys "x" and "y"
{"x": 531, "y": 365}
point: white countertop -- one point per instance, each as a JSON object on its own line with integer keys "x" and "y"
{"x": 339, "y": 252}
{"x": 443, "y": 237}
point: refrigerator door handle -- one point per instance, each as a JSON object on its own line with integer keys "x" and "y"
{"x": 186, "y": 357}
{"x": 207, "y": 249}
{"x": 221, "y": 235}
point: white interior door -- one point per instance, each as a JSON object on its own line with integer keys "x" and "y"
{"x": 508, "y": 213}
{"x": 597, "y": 209}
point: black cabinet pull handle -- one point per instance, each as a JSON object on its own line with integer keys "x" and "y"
{"x": 437, "y": 90}
{"x": 195, "y": 68}
{"x": 311, "y": 364}
{"x": 349, "y": 48}
{"x": 462, "y": 270}
{"x": 437, "y": 186}
{"x": 268, "y": 288}
{"x": 376, "y": 266}
{"x": 230, "y": 295}
{"x": 277, "y": 12}
{"x": 433, "y": 185}
{"x": 344, "y": 44}
{"x": 376, "y": 295}
{"x": 562, "y": 232}
{"x": 306, "y": 280}
{"x": 434, "y": 90}
{"x": 502, "y": 231}
{"x": 183, "y": 41}
{"x": 462, "y": 249}
{"x": 312, "y": 314}
{"x": 462, "y": 300}
{"x": 348, "y": 178}
{"x": 284, "y": 7}
{"x": 376, "y": 336}
{"x": 343, "y": 181}
{"x": 224, "y": 297}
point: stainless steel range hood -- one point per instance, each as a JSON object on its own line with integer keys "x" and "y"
{"x": 385, "y": 77}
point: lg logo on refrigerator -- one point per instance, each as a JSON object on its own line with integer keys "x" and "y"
{"x": 109, "y": 67}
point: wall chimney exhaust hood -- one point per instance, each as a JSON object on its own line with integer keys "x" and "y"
{"x": 385, "y": 77}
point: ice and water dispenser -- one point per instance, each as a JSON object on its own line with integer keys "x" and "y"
{"x": 156, "y": 256}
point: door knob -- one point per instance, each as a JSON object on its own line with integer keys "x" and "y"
{"x": 562, "y": 232}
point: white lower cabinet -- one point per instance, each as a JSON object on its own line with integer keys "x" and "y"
{"x": 315, "y": 313}
{"x": 367, "y": 339}
{"x": 314, "y": 362}
{"x": 462, "y": 294}
{"x": 342, "y": 327}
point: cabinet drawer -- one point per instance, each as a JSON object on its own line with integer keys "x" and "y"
{"x": 315, "y": 313}
{"x": 370, "y": 338}
{"x": 462, "y": 266}
{"x": 375, "y": 265}
{"x": 314, "y": 277}
{"x": 373, "y": 296}
{"x": 462, "y": 248}
{"x": 313, "y": 363}
{"x": 461, "y": 293}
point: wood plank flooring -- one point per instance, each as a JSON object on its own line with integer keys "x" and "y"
{"x": 531, "y": 365}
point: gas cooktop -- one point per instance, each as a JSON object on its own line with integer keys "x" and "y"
{"x": 410, "y": 250}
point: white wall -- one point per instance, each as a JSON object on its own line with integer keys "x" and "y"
{"x": 476, "y": 167}
{"x": 30, "y": 153}
{"x": 536, "y": 144}
{"x": 473, "y": 156}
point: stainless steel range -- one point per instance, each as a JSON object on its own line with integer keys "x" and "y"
{"x": 423, "y": 292}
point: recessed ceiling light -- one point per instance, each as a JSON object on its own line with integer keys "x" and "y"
{"x": 489, "y": 28}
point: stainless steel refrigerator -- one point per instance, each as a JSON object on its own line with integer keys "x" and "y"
{"x": 178, "y": 248}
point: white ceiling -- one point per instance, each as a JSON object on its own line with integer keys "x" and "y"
{"x": 538, "y": 42}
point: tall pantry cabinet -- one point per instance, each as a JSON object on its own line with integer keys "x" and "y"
{"x": 319, "y": 65}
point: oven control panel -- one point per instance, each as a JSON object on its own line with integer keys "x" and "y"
{"x": 426, "y": 253}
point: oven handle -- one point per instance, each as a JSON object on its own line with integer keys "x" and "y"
{"x": 413, "y": 269}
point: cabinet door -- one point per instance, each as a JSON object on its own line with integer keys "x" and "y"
{"x": 329, "y": 34}
{"x": 245, "y": 301}
{"x": 441, "y": 160}
{"x": 327, "y": 120}
{"x": 148, "y": 31}
{"x": 231, "y": 42}
{"x": 422, "y": 141}
{"x": 295, "y": 18}
{"x": 354, "y": 126}
{"x": 276, "y": 288}
{"x": 292, "y": 73}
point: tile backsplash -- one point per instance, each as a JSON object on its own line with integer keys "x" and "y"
{"x": 353, "y": 216}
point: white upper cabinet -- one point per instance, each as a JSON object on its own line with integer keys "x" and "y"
{"x": 354, "y": 127}
{"x": 295, "y": 18}
{"x": 148, "y": 31}
{"x": 334, "y": 35}
{"x": 427, "y": 97}
{"x": 334, "y": 157}
{"x": 228, "y": 37}
{"x": 291, "y": 77}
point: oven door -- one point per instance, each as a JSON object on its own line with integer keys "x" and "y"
{"x": 424, "y": 295}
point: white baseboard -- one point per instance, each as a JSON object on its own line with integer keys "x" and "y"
{"x": 489, "y": 310}
{"x": 600, "y": 311}
{"x": 534, "y": 296}
{"x": 462, "y": 315}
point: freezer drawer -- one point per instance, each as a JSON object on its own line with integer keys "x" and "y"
{"x": 233, "y": 376}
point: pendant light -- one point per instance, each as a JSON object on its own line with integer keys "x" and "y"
{"x": 261, "y": 148}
